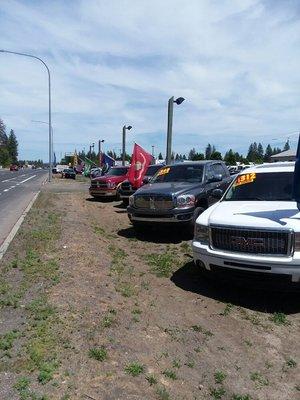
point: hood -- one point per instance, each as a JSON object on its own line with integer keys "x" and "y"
{"x": 112, "y": 178}
{"x": 173, "y": 188}
{"x": 253, "y": 214}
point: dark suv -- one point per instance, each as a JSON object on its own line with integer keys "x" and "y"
{"x": 178, "y": 193}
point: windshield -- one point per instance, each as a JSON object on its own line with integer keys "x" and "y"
{"x": 182, "y": 173}
{"x": 117, "y": 172}
{"x": 152, "y": 169}
{"x": 262, "y": 186}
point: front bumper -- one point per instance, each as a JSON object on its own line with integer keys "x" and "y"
{"x": 103, "y": 192}
{"x": 125, "y": 194}
{"x": 248, "y": 266}
{"x": 179, "y": 216}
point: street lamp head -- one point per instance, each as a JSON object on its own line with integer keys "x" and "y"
{"x": 102, "y": 141}
{"x": 129, "y": 127}
{"x": 179, "y": 100}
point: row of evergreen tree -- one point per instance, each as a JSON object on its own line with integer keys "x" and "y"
{"x": 256, "y": 154}
{"x": 8, "y": 146}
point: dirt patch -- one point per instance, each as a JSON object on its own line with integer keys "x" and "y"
{"x": 131, "y": 318}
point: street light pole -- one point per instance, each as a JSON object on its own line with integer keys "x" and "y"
{"x": 52, "y": 146}
{"x": 170, "y": 126}
{"x": 49, "y": 101}
{"x": 152, "y": 150}
{"x": 99, "y": 150}
{"x": 124, "y": 142}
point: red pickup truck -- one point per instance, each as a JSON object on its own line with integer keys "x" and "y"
{"x": 106, "y": 186}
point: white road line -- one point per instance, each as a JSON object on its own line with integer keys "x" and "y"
{"x": 25, "y": 180}
{"x": 15, "y": 177}
{"x": 19, "y": 183}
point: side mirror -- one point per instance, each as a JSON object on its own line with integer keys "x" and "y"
{"x": 215, "y": 178}
{"x": 146, "y": 180}
{"x": 217, "y": 193}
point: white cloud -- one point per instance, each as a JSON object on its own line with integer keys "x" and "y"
{"x": 115, "y": 62}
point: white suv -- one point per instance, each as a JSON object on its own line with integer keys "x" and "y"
{"x": 254, "y": 230}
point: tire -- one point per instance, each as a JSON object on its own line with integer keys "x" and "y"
{"x": 197, "y": 212}
{"x": 125, "y": 202}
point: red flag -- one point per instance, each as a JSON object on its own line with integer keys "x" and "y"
{"x": 140, "y": 161}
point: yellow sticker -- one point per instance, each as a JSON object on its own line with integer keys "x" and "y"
{"x": 163, "y": 171}
{"x": 246, "y": 178}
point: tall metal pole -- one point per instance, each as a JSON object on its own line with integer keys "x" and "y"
{"x": 152, "y": 150}
{"x": 49, "y": 105}
{"x": 99, "y": 150}
{"x": 123, "y": 144}
{"x": 169, "y": 132}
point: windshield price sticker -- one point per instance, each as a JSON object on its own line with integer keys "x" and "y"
{"x": 163, "y": 171}
{"x": 243, "y": 179}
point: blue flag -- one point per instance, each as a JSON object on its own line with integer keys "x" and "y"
{"x": 297, "y": 176}
{"x": 107, "y": 160}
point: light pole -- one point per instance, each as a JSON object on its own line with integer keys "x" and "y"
{"x": 49, "y": 101}
{"x": 99, "y": 150}
{"x": 124, "y": 142}
{"x": 171, "y": 102}
{"x": 152, "y": 150}
{"x": 47, "y": 123}
{"x": 91, "y": 147}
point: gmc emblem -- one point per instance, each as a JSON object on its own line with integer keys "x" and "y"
{"x": 152, "y": 203}
{"x": 247, "y": 242}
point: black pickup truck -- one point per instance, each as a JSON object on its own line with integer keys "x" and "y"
{"x": 179, "y": 193}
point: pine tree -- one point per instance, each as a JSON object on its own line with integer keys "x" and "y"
{"x": 260, "y": 153}
{"x": 192, "y": 153}
{"x": 5, "y": 160}
{"x": 230, "y": 157}
{"x": 12, "y": 147}
{"x": 287, "y": 146}
{"x": 3, "y": 135}
{"x": 208, "y": 151}
{"x": 268, "y": 153}
{"x": 160, "y": 157}
{"x": 216, "y": 155}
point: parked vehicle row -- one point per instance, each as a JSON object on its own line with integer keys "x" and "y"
{"x": 245, "y": 226}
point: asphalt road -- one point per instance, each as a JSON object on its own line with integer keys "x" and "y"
{"x": 17, "y": 188}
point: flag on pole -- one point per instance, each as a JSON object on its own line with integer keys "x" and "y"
{"x": 140, "y": 161}
{"x": 107, "y": 160}
{"x": 297, "y": 177}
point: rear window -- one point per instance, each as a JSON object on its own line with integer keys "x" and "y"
{"x": 262, "y": 186}
{"x": 179, "y": 173}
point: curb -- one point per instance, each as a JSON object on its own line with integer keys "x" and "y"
{"x": 16, "y": 227}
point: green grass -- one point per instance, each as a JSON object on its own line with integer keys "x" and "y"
{"x": 168, "y": 373}
{"x": 7, "y": 340}
{"x": 259, "y": 379}
{"x": 217, "y": 393}
{"x": 134, "y": 369}
{"x": 241, "y": 397}
{"x": 126, "y": 289}
{"x": 220, "y": 377}
{"x": 279, "y": 318}
{"x": 162, "y": 265}
{"x": 98, "y": 353}
{"x": 109, "y": 319}
{"x": 199, "y": 328}
{"x": 162, "y": 393}
{"x": 47, "y": 371}
{"x": 227, "y": 310}
{"x": 151, "y": 379}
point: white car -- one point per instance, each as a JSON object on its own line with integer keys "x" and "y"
{"x": 253, "y": 232}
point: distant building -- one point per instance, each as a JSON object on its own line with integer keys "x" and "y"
{"x": 288, "y": 155}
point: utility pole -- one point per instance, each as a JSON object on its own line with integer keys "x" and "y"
{"x": 171, "y": 102}
{"x": 99, "y": 150}
{"x": 124, "y": 142}
{"x": 152, "y": 150}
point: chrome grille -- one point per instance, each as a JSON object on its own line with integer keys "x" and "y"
{"x": 154, "y": 202}
{"x": 98, "y": 185}
{"x": 255, "y": 241}
{"x": 126, "y": 185}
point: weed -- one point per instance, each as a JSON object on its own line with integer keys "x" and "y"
{"x": 248, "y": 343}
{"x": 168, "y": 373}
{"x": 136, "y": 311}
{"x": 259, "y": 379}
{"x": 198, "y": 349}
{"x": 241, "y": 397}
{"x": 176, "y": 364}
{"x": 109, "y": 319}
{"x": 162, "y": 393}
{"x": 199, "y": 328}
{"x": 217, "y": 393}
{"x": 22, "y": 384}
{"x": 151, "y": 379}
{"x": 99, "y": 230}
{"x": 279, "y": 318}
{"x": 47, "y": 371}
{"x": 7, "y": 340}
{"x": 98, "y": 353}
{"x": 162, "y": 264}
{"x": 126, "y": 289}
{"x": 134, "y": 369}
{"x": 219, "y": 376}
{"x": 289, "y": 364}
{"x": 227, "y": 310}
{"x": 190, "y": 364}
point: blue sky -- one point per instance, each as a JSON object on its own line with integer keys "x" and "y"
{"x": 117, "y": 62}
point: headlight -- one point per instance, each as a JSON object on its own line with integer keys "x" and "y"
{"x": 297, "y": 241}
{"x": 185, "y": 201}
{"x": 201, "y": 233}
{"x": 131, "y": 201}
{"x": 111, "y": 185}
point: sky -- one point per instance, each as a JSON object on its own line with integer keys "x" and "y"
{"x": 116, "y": 62}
